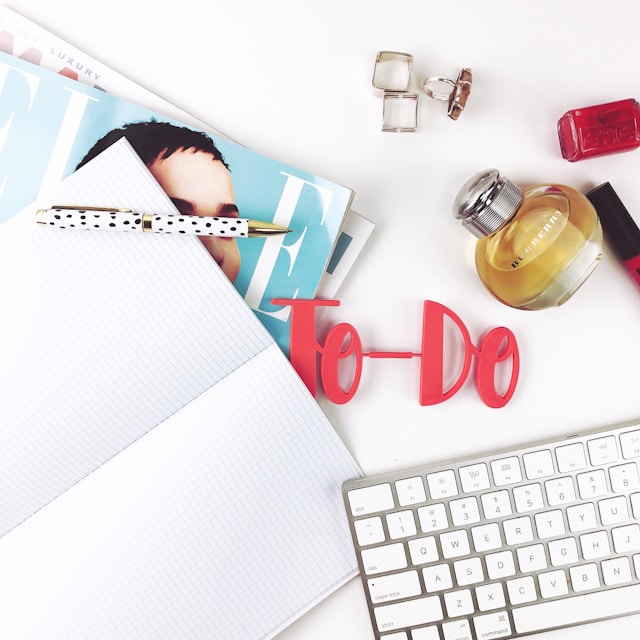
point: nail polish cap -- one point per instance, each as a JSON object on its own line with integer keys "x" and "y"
{"x": 486, "y": 202}
{"x": 619, "y": 227}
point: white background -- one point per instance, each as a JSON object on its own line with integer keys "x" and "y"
{"x": 293, "y": 80}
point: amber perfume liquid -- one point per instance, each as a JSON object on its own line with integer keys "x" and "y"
{"x": 541, "y": 256}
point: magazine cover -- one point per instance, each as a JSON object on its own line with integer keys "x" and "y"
{"x": 51, "y": 124}
{"x": 22, "y": 38}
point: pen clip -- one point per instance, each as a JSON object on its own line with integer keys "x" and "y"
{"x": 83, "y": 208}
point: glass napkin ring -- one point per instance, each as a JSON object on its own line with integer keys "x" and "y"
{"x": 399, "y": 111}
{"x": 392, "y": 71}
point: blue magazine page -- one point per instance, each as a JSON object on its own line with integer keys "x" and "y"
{"x": 50, "y": 123}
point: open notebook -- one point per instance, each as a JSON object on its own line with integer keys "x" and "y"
{"x": 164, "y": 472}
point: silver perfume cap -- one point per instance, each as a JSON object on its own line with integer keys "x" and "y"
{"x": 486, "y": 201}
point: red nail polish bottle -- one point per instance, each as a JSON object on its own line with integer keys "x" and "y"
{"x": 599, "y": 130}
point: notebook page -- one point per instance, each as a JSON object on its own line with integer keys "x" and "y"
{"x": 223, "y": 522}
{"x": 103, "y": 335}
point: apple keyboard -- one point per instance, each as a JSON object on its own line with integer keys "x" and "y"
{"x": 503, "y": 545}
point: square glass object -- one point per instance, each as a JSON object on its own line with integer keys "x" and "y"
{"x": 399, "y": 111}
{"x": 392, "y": 71}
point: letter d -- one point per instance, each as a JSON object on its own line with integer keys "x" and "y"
{"x": 432, "y": 364}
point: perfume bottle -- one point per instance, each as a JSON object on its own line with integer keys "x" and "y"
{"x": 535, "y": 246}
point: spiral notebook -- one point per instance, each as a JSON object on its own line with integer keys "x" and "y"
{"x": 164, "y": 472}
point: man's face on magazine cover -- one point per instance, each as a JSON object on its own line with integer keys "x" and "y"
{"x": 200, "y": 185}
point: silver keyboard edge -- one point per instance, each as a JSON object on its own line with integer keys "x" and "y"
{"x": 356, "y": 483}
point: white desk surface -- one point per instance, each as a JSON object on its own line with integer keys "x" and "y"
{"x": 293, "y": 80}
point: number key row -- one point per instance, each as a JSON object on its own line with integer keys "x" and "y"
{"x": 529, "y": 497}
{"x": 466, "y": 512}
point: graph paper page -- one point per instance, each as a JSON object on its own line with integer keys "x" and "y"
{"x": 223, "y": 522}
{"x": 183, "y": 480}
{"x": 103, "y": 335}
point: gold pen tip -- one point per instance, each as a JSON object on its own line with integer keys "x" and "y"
{"x": 261, "y": 228}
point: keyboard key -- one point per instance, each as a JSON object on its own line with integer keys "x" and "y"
{"x": 423, "y": 550}
{"x": 585, "y": 577}
{"x": 595, "y": 545}
{"x": 582, "y": 517}
{"x": 410, "y": 491}
{"x": 408, "y": 613}
{"x": 437, "y": 578}
{"x": 550, "y": 524}
{"x": 370, "y": 499}
{"x": 394, "y": 586}
{"x": 401, "y": 524}
{"x": 455, "y": 543}
{"x": 603, "y": 450}
{"x": 457, "y": 630}
{"x": 538, "y": 464}
{"x": 442, "y": 484}
{"x": 624, "y": 477}
{"x": 474, "y": 477}
{"x": 528, "y": 498}
{"x": 553, "y": 584}
{"x": 521, "y": 590}
{"x": 464, "y": 511}
{"x": 616, "y": 571}
{"x": 486, "y": 537}
{"x": 492, "y": 625}
{"x": 433, "y": 518}
{"x": 613, "y": 510}
{"x": 468, "y": 571}
{"x": 424, "y": 633}
{"x": 626, "y": 538}
{"x": 560, "y": 491}
{"x": 458, "y": 603}
{"x": 382, "y": 559}
{"x": 570, "y": 457}
{"x": 518, "y": 531}
{"x": 563, "y": 551}
{"x": 592, "y": 484}
{"x": 369, "y": 531}
{"x": 576, "y": 609}
{"x": 630, "y": 443}
{"x": 500, "y": 565}
{"x": 635, "y": 505}
{"x": 400, "y": 635}
{"x": 506, "y": 471}
{"x": 531, "y": 558}
{"x": 496, "y": 504}
{"x": 490, "y": 596}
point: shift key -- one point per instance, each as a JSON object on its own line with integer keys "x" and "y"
{"x": 408, "y": 614}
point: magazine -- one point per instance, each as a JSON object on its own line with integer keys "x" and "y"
{"x": 28, "y": 41}
{"x": 23, "y": 38}
{"x": 50, "y": 123}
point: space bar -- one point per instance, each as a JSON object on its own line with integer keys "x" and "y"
{"x": 585, "y": 608}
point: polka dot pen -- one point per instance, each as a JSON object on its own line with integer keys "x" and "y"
{"x": 105, "y": 219}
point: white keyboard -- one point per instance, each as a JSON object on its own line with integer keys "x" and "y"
{"x": 505, "y": 545}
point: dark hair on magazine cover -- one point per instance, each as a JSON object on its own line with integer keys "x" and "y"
{"x": 153, "y": 140}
